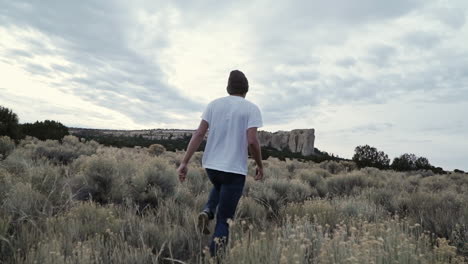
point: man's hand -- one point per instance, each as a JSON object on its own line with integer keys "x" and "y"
{"x": 259, "y": 174}
{"x": 182, "y": 171}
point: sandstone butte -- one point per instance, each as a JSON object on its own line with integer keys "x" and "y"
{"x": 296, "y": 141}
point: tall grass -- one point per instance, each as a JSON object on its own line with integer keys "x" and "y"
{"x": 79, "y": 202}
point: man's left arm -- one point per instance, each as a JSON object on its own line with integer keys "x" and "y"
{"x": 195, "y": 141}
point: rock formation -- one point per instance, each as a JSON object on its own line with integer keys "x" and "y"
{"x": 296, "y": 141}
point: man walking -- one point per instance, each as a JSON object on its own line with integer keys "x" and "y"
{"x": 232, "y": 122}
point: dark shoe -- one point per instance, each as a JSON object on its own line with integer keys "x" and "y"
{"x": 203, "y": 221}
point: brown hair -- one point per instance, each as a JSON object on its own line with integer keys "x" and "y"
{"x": 237, "y": 83}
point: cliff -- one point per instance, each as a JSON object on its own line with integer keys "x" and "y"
{"x": 296, "y": 141}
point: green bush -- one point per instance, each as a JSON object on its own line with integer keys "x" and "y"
{"x": 9, "y": 124}
{"x": 45, "y": 130}
{"x": 367, "y": 156}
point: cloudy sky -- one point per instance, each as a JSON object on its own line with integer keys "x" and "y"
{"x": 391, "y": 74}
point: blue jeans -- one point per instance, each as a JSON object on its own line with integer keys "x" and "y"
{"x": 225, "y": 195}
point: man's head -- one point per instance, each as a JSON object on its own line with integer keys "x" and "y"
{"x": 237, "y": 83}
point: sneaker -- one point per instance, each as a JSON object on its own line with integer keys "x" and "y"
{"x": 203, "y": 221}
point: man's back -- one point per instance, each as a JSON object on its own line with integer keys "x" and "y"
{"x": 229, "y": 118}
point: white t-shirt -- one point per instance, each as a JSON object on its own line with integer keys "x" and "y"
{"x": 227, "y": 147}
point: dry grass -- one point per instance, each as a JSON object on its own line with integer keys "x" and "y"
{"x": 79, "y": 202}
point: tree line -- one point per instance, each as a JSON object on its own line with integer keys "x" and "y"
{"x": 367, "y": 156}
{"x": 48, "y": 129}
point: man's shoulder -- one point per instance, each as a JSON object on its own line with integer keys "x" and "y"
{"x": 217, "y": 100}
{"x": 252, "y": 105}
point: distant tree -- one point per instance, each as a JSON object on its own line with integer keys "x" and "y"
{"x": 405, "y": 162}
{"x": 9, "y": 123}
{"x": 45, "y": 130}
{"x": 438, "y": 170}
{"x": 367, "y": 156}
{"x": 458, "y": 171}
{"x": 422, "y": 163}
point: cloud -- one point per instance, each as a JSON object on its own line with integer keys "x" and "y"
{"x": 421, "y": 39}
{"x": 103, "y": 65}
{"x": 346, "y": 62}
{"x": 157, "y": 63}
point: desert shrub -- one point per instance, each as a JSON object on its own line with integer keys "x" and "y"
{"x": 154, "y": 181}
{"x": 310, "y": 177}
{"x": 349, "y": 165}
{"x": 70, "y": 149}
{"x": 84, "y": 220}
{"x": 426, "y": 209}
{"x": 315, "y": 178}
{"x": 280, "y": 186}
{"x": 333, "y": 167}
{"x": 348, "y": 184}
{"x": 385, "y": 198}
{"x": 251, "y": 211}
{"x": 435, "y": 183}
{"x": 266, "y": 196}
{"x": 5, "y": 246}
{"x": 298, "y": 191}
{"x": 6, "y": 146}
{"x": 159, "y": 174}
{"x": 197, "y": 158}
{"x": 411, "y": 183}
{"x": 359, "y": 208}
{"x": 6, "y": 182}
{"x": 17, "y": 165}
{"x": 320, "y": 212}
{"x": 156, "y": 149}
{"x": 288, "y": 190}
{"x": 102, "y": 182}
{"x": 50, "y": 181}
{"x": 459, "y": 182}
{"x": 183, "y": 196}
{"x": 197, "y": 181}
{"x": 23, "y": 202}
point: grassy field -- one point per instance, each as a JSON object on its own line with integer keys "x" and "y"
{"x": 80, "y": 202}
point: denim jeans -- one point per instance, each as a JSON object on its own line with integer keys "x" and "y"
{"x": 225, "y": 195}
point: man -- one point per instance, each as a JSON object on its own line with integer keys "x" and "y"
{"x": 232, "y": 122}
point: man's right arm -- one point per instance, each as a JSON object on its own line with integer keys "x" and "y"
{"x": 255, "y": 151}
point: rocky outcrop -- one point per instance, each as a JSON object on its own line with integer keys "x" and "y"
{"x": 296, "y": 141}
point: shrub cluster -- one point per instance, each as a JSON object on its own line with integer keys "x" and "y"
{"x": 76, "y": 201}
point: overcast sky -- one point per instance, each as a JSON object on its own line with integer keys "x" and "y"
{"x": 391, "y": 74}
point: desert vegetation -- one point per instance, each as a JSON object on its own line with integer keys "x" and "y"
{"x": 76, "y": 201}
